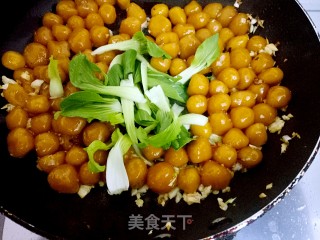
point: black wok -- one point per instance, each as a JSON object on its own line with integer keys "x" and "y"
{"x": 27, "y": 199}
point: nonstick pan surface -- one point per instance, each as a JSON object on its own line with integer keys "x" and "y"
{"x": 27, "y": 199}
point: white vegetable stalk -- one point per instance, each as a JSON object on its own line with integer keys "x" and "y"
{"x": 128, "y": 111}
{"x": 122, "y": 91}
{"x": 194, "y": 119}
{"x": 157, "y": 97}
{"x": 116, "y": 60}
{"x": 116, "y": 175}
{"x": 122, "y": 46}
{"x": 177, "y": 110}
{"x": 144, "y": 77}
{"x": 55, "y": 87}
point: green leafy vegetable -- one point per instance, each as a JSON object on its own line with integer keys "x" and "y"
{"x": 158, "y": 98}
{"x": 91, "y": 149}
{"x": 169, "y": 130}
{"x": 91, "y": 106}
{"x": 173, "y": 90}
{"x": 82, "y": 75}
{"x": 114, "y": 75}
{"x": 128, "y": 112}
{"x": 182, "y": 139}
{"x": 143, "y": 118}
{"x": 206, "y": 54}
{"x": 138, "y": 42}
{"x": 116, "y": 175}
{"x": 162, "y": 139}
{"x": 152, "y": 77}
{"x": 148, "y": 103}
{"x": 129, "y": 62}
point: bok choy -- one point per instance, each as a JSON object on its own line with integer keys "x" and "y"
{"x": 55, "y": 85}
{"x": 138, "y": 42}
{"x": 91, "y": 105}
{"x": 147, "y": 103}
{"x": 205, "y": 55}
{"x": 116, "y": 175}
{"x": 82, "y": 75}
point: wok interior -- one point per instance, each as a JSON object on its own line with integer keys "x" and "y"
{"x": 27, "y": 199}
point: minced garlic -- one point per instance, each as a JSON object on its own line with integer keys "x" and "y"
{"x": 269, "y": 186}
{"x": 139, "y": 202}
{"x": 84, "y": 190}
{"x": 191, "y": 198}
{"x": 237, "y": 167}
{"x": 287, "y": 117}
{"x": 237, "y": 3}
{"x": 168, "y": 226}
{"x": 173, "y": 193}
{"x": 214, "y": 138}
{"x": 255, "y": 23}
{"x": 285, "y": 141}
{"x": 262, "y": 195}
{"x": 138, "y": 192}
{"x": 8, "y": 107}
{"x": 284, "y": 147}
{"x": 36, "y": 85}
{"x": 276, "y": 126}
{"x": 224, "y": 205}
{"x": 295, "y": 134}
{"x": 270, "y": 49}
{"x": 145, "y": 24}
{"x": 26, "y": 75}
{"x": 227, "y": 189}
{"x": 162, "y": 199}
{"x": 6, "y": 81}
{"x": 178, "y": 197}
{"x": 205, "y": 191}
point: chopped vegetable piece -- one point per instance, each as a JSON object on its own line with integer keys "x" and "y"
{"x": 82, "y": 75}
{"x": 203, "y": 58}
{"x": 55, "y": 86}
{"x": 116, "y": 175}
{"x": 91, "y": 106}
{"x": 138, "y": 42}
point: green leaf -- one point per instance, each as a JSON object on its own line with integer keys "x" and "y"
{"x": 114, "y": 75}
{"x": 182, "y": 139}
{"x": 83, "y": 72}
{"x": 162, "y": 139}
{"x": 143, "y": 118}
{"x": 137, "y": 73}
{"x": 99, "y": 145}
{"x": 205, "y": 55}
{"x": 91, "y": 106}
{"x": 172, "y": 89}
{"x": 129, "y": 62}
{"x": 82, "y": 75}
{"x": 164, "y": 120}
{"x": 91, "y": 149}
